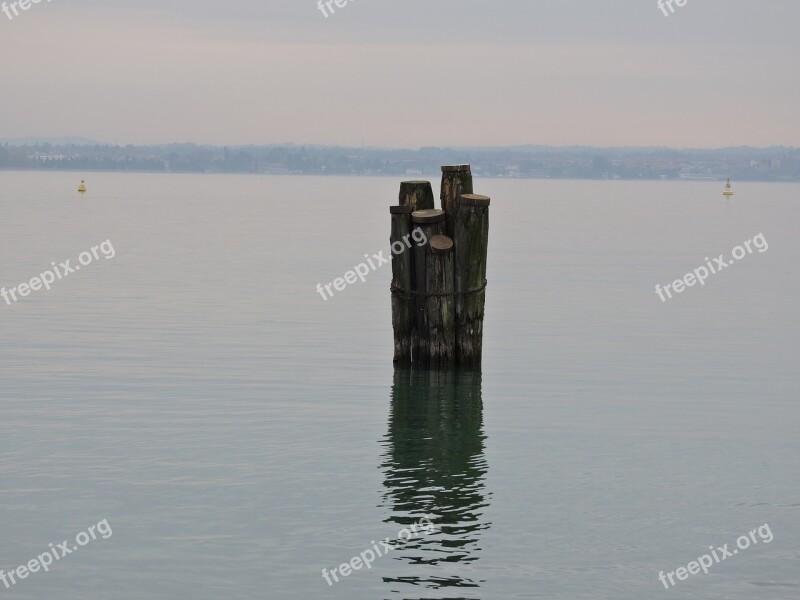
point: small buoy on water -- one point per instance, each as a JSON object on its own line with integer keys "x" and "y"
{"x": 728, "y": 191}
{"x": 82, "y": 186}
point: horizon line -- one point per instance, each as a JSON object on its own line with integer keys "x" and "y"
{"x": 81, "y": 141}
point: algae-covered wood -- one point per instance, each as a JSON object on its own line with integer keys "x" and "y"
{"x": 471, "y": 246}
{"x": 440, "y": 316}
{"x": 456, "y": 180}
{"x": 416, "y": 194}
{"x": 402, "y": 304}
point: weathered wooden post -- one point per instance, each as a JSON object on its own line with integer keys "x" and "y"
{"x": 456, "y": 180}
{"x": 439, "y": 284}
{"x": 402, "y": 273}
{"x": 440, "y": 316}
{"x": 416, "y": 194}
{"x": 430, "y": 222}
{"x": 471, "y": 246}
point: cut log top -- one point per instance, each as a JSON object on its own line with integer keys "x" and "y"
{"x": 431, "y": 215}
{"x": 441, "y": 244}
{"x": 475, "y": 200}
{"x": 454, "y": 168}
{"x": 401, "y": 210}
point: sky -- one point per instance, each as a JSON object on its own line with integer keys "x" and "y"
{"x": 404, "y": 73}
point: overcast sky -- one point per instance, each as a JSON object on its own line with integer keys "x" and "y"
{"x": 404, "y": 73}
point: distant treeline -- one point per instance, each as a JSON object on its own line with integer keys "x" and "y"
{"x": 769, "y": 164}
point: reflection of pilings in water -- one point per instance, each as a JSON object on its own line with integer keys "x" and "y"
{"x": 434, "y": 466}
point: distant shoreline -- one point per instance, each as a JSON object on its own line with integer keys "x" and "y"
{"x": 520, "y": 162}
{"x": 430, "y": 176}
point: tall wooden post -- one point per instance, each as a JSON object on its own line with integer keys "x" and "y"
{"x": 440, "y": 315}
{"x": 471, "y": 247}
{"x": 456, "y": 180}
{"x": 402, "y": 273}
{"x": 430, "y": 222}
{"x": 416, "y": 194}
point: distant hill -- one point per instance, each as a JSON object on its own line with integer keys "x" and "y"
{"x": 528, "y": 161}
{"x": 61, "y": 141}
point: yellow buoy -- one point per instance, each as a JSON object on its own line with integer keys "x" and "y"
{"x": 82, "y": 187}
{"x": 728, "y": 191}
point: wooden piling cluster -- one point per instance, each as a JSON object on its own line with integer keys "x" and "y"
{"x": 439, "y": 278}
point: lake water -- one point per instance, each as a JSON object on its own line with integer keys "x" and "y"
{"x": 240, "y": 434}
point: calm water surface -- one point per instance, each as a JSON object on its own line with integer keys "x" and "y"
{"x": 240, "y": 434}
